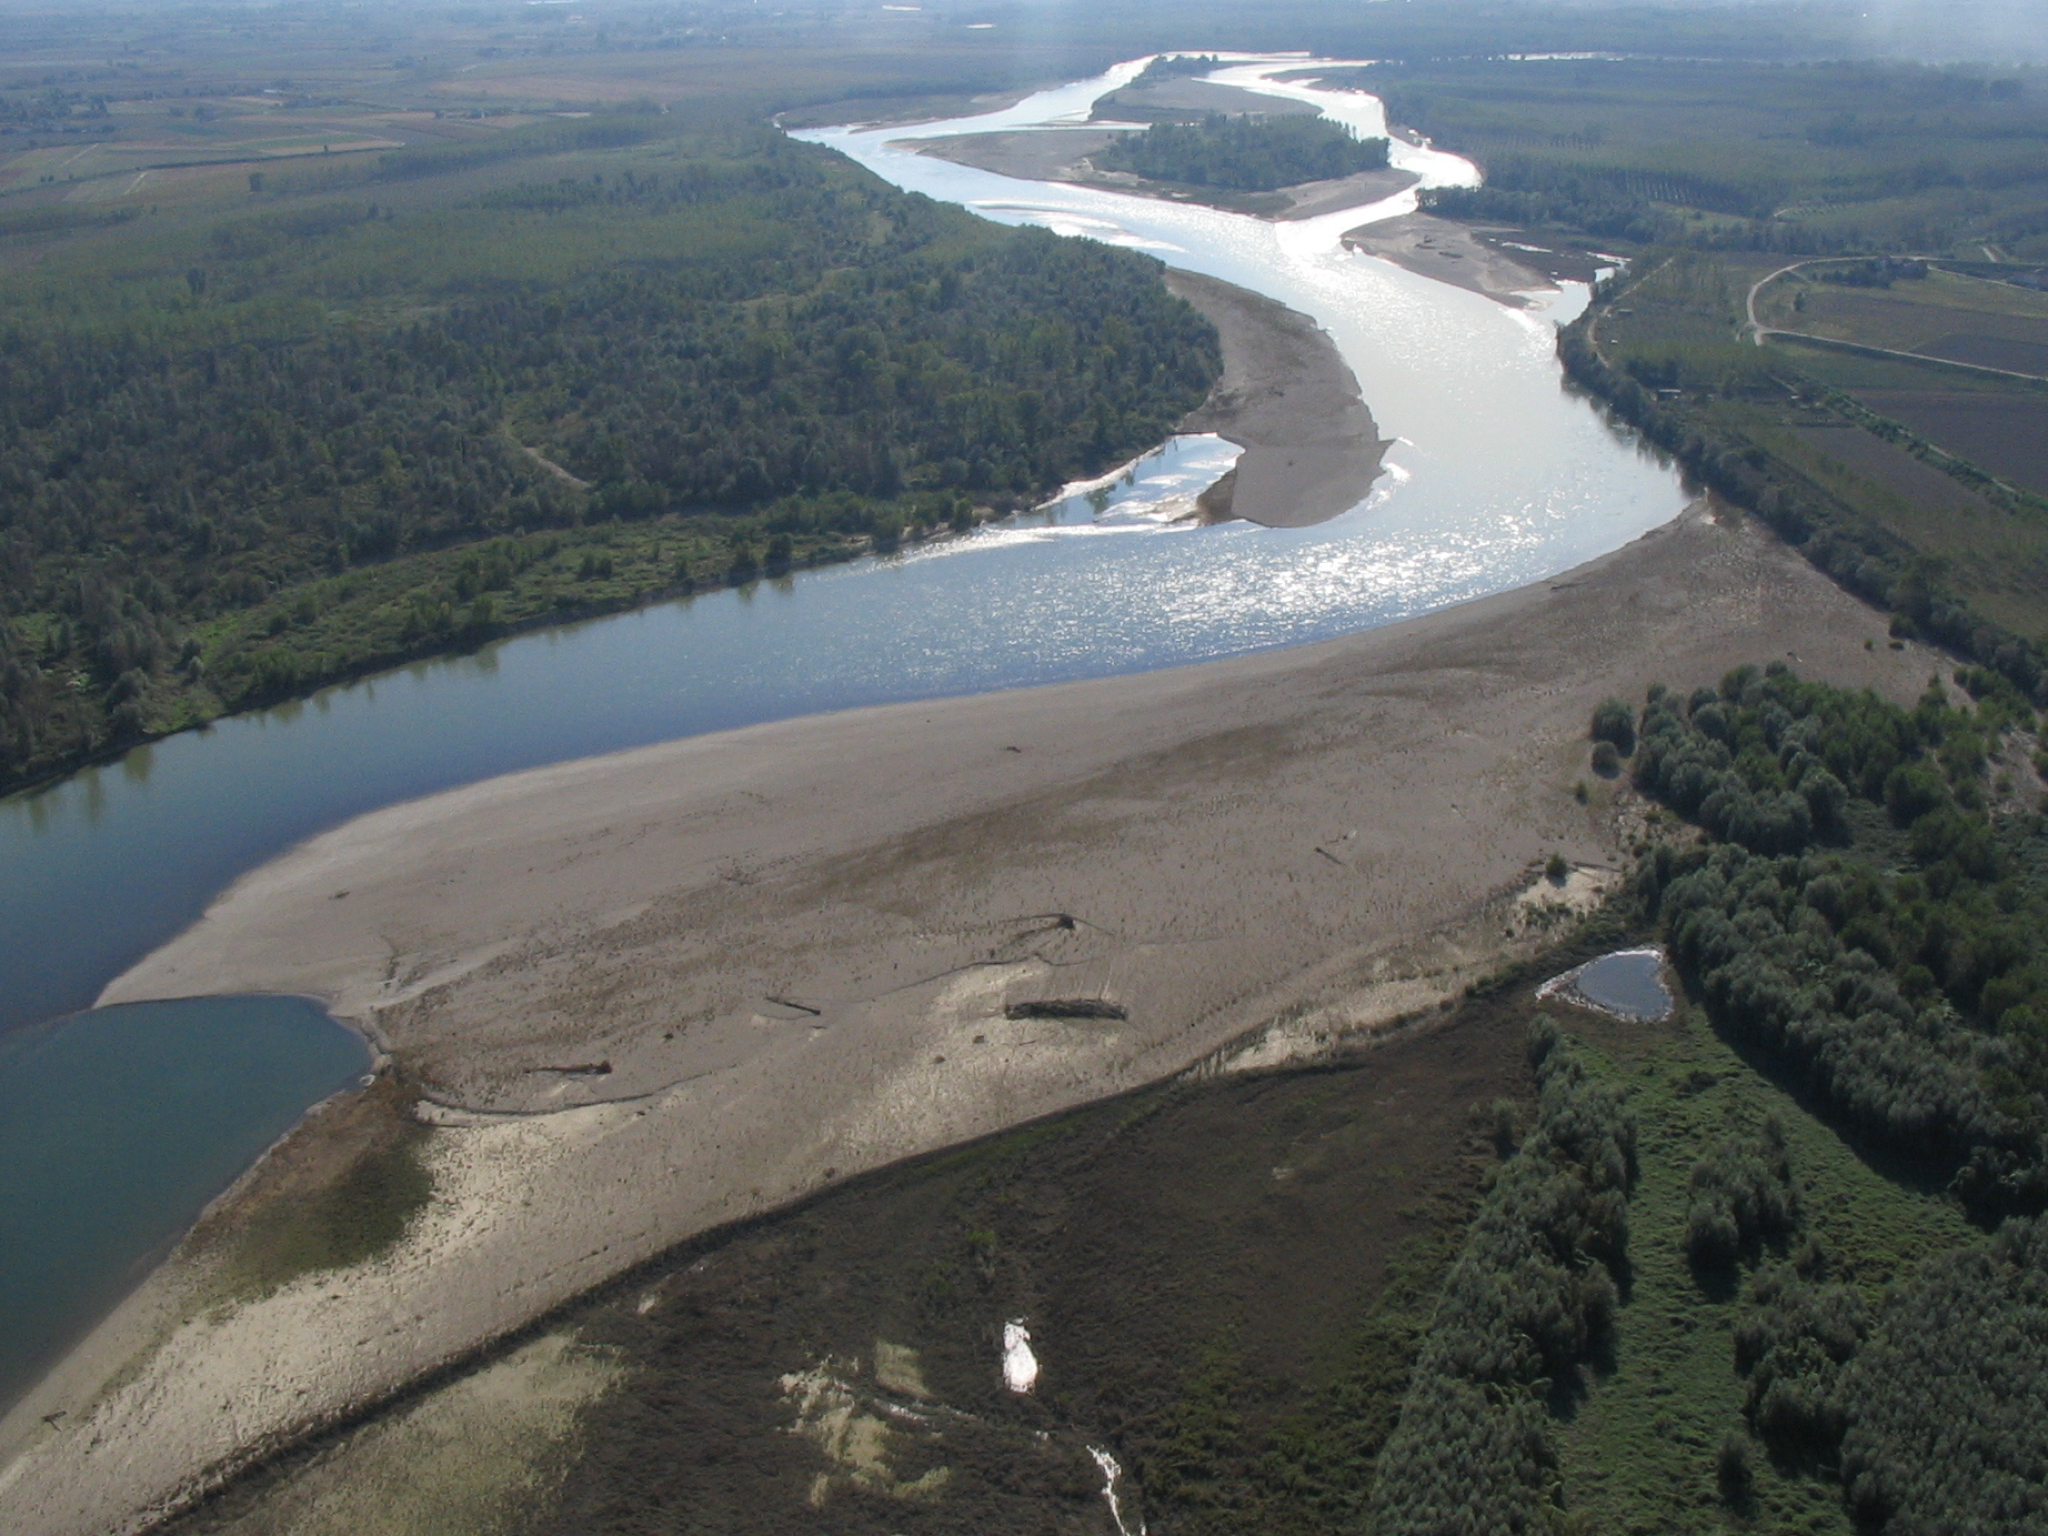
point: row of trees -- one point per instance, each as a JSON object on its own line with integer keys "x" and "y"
{"x": 1863, "y": 557}
{"x": 1529, "y": 1301}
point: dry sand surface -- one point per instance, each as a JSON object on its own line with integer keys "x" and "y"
{"x": 1449, "y": 253}
{"x": 658, "y": 991}
{"x": 1041, "y": 154}
{"x": 1286, "y": 396}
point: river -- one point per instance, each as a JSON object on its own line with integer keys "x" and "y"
{"x": 1498, "y": 477}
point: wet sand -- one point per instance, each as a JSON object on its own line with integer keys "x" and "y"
{"x": 1311, "y": 447}
{"x": 651, "y": 993}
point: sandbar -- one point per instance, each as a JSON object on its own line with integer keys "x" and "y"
{"x": 796, "y": 951}
{"x": 1450, "y": 253}
{"x": 1287, "y": 397}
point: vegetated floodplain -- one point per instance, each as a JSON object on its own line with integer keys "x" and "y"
{"x": 476, "y": 386}
{"x": 1958, "y": 554}
{"x": 1913, "y": 203}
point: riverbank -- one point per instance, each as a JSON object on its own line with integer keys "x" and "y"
{"x": 647, "y": 994}
{"x": 1286, "y": 397}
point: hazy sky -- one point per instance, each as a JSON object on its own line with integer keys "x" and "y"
{"x": 1999, "y": 30}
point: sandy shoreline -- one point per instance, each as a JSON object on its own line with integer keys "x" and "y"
{"x": 793, "y": 948}
{"x": 1288, "y": 399}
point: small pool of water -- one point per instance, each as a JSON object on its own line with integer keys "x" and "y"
{"x": 118, "y": 1126}
{"x": 1628, "y": 983}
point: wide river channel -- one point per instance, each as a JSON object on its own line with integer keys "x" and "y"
{"x": 1498, "y": 477}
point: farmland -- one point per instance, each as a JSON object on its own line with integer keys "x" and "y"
{"x": 1945, "y": 314}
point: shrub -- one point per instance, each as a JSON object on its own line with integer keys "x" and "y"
{"x": 1742, "y": 1195}
{"x": 1615, "y": 722}
{"x": 1733, "y": 1473}
{"x": 1945, "y": 1429}
{"x": 1792, "y": 1342}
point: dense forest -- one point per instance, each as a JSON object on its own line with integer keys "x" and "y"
{"x": 1175, "y": 66}
{"x": 1868, "y": 921}
{"x": 199, "y": 467}
{"x": 1244, "y": 154}
{"x": 1875, "y": 912}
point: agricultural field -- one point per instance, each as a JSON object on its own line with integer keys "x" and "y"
{"x": 1948, "y": 315}
{"x": 2000, "y": 425}
{"x": 1816, "y": 181}
{"x": 1806, "y": 420}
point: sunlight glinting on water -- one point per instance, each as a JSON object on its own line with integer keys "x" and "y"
{"x": 1495, "y": 477}
{"x": 1488, "y": 483}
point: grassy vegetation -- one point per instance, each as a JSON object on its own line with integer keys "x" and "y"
{"x": 334, "y": 1199}
{"x": 361, "y": 1215}
{"x": 1640, "y": 1453}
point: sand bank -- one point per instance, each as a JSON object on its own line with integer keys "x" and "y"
{"x": 1286, "y": 396}
{"x": 1448, "y": 252}
{"x": 794, "y": 951}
